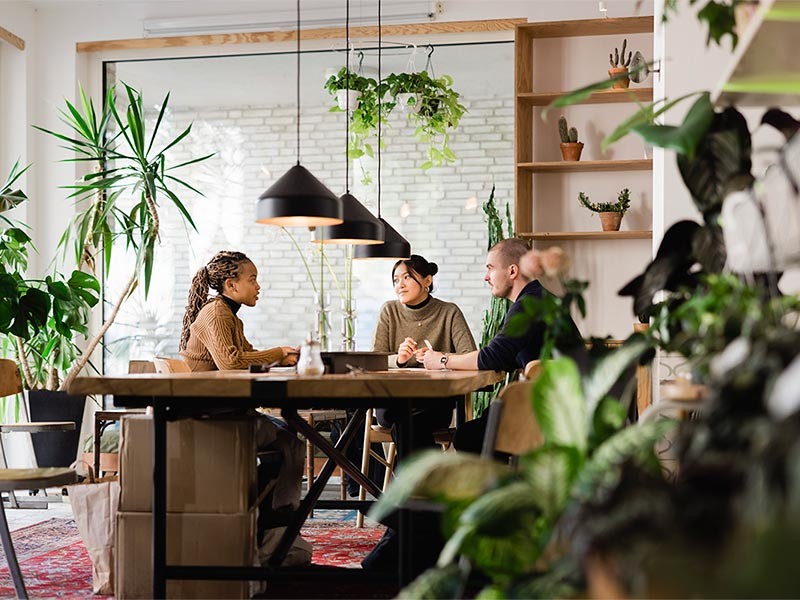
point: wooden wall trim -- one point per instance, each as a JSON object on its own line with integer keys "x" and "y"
{"x": 305, "y": 34}
{"x": 12, "y": 39}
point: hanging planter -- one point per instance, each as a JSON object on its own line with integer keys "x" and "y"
{"x": 345, "y": 84}
{"x": 407, "y": 102}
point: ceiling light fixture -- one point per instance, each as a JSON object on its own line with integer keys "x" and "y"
{"x": 298, "y": 199}
{"x": 360, "y": 227}
{"x": 394, "y": 246}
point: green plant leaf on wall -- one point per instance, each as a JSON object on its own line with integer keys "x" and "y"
{"x": 683, "y": 138}
{"x": 646, "y": 114}
{"x": 559, "y": 406}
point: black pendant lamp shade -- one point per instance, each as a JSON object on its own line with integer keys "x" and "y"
{"x": 360, "y": 227}
{"x": 394, "y": 246}
{"x": 298, "y": 199}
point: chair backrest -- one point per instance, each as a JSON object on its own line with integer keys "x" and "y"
{"x": 170, "y": 365}
{"x": 512, "y": 426}
{"x": 531, "y": 370}
{"x": 10, "y": 380}
{"x": 141, "y": 366}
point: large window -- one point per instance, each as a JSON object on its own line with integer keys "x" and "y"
{"x": 243, "y": 110}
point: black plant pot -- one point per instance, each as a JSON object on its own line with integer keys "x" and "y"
{"x": 56, "y": 448}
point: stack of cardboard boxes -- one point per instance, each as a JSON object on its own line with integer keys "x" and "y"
{"x": 211, "y": 493}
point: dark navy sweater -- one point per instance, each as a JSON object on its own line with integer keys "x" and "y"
{"x": 506, "y": 353}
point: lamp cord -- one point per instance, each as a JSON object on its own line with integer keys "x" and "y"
{"x": 379, "y": 108}
{"x": 347, "y": 103}
{"x": 297, "y": 120}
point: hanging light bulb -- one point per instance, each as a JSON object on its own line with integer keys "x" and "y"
{"x": 394, "y": 246}
{"x": 298, "y": 199}
{"x": 360, "y": 227}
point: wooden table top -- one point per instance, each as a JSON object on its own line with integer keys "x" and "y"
{"x": 399, "y": 383}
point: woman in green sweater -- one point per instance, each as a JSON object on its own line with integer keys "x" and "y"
{"x": 405, "y": 324}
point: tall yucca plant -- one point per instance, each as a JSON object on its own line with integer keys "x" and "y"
{"x": 118, "y": 146}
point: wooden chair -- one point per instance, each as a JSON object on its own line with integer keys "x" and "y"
{"x": 11, "y": 383}
{"x": 170, "y": 365}
{"x": 375, "y": 434}
{"x": 512, "y": 426}
{"x": 22, "y": 479}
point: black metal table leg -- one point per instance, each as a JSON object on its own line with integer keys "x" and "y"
{"x": 159, "y": 500}
{"x": 316, "y": 488}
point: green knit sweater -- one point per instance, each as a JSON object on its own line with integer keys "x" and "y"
{"x": 441, "y": 323}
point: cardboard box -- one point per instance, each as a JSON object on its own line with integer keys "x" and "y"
{"x": 192, "y": 539}
{"x": 211, "y": 465}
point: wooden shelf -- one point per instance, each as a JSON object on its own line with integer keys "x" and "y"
{"x": 601, "y": 97}
{"x": 583, "y": 27}
{"x": 586, "y": 235}
{"x": 765, "y": 68}
{"x": 564, "y": 166}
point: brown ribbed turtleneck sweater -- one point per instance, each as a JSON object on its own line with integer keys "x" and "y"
{"x": 216, "y": 341}
{"x": 442, "y": 323}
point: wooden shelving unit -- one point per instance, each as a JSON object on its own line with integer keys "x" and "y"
{"x": 563, "y": 166}
{"x": 554, "y": 236}
{"x": 546, "y": 209}
{"x": 601, "y": 97}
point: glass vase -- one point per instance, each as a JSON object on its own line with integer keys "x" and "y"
{"x": 324, "y": 321}
{"x": 349, "y": 325}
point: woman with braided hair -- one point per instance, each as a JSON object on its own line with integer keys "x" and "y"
{"x": 213, "y": 338}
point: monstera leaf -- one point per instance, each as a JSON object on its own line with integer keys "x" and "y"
{"x": 721, "y": 163}
{"x": 669, "y": 269}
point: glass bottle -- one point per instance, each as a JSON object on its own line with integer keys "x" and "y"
{"x": 349, "y": 325}
{"x": 309, "y": 364}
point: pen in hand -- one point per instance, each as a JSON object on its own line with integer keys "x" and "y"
{"x": 428, "y": 344}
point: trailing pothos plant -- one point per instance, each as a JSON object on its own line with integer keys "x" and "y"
{"x": 38, "y": 317}
{"x": 119, "y": 145}
{"x": 504, "y": 524}
{"x": 436, "y": 112}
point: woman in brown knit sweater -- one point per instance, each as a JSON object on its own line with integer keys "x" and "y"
{"x": 213, "y": 338}
{"x": 403, "y": 327}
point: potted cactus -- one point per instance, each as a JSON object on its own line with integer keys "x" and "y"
{"x": 619, "y": 66}
{"x": 571, "y": 148}
{"x": 610, "y": 212}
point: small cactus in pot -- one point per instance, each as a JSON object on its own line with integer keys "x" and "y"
{"x": 571, "y": 148}
{"x": 619, "y": 66}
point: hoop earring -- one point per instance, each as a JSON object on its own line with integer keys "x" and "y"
{"x": 427, "y": 289}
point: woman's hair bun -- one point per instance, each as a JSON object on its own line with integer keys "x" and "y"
{"x": 433, "y": 268}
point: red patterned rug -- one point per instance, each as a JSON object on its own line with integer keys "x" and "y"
{"x": 55, "y": 564}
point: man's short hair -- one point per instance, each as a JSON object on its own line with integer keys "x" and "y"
{"x": 510, "y": 251}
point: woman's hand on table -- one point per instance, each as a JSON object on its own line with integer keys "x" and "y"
{"x": 290, "y": 356}
{"x": 420, "y": 354}
{"x": 406, "y": 350}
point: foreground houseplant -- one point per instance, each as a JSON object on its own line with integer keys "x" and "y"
{"x": 118, "y": 147}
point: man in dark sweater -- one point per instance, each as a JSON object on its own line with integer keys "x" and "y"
{"x": 503, "y": 353}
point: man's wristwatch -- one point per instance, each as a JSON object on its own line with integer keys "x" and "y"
{"x": 444, "y": 361}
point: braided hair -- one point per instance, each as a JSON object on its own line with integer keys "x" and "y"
{"x": 223, "y": 266}
{"x": 418, "y": 268}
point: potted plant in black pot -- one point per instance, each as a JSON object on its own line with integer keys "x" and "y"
{"x": 38, "y": 319}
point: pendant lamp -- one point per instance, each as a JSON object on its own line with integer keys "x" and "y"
{"x": 360, "y": 227}
{"x": 394, "y": 246}
{"x": 298, "y": 199}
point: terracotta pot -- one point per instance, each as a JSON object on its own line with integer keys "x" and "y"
{"x": 619, "y": 84}
{"x": 610, "y": 220}
{"x": 571, "y": 150}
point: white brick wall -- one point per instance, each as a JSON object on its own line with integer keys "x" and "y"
{"x": 253, "y": 146}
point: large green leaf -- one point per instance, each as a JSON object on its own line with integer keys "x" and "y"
{"x": 602, "y": 472}
{"x": 439, "y": 477}
{"x": 433, "y": 584}
{"x": 559, "y": 404}
{"x": 551, "y": 471}
{"x": 684, "y": 138}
